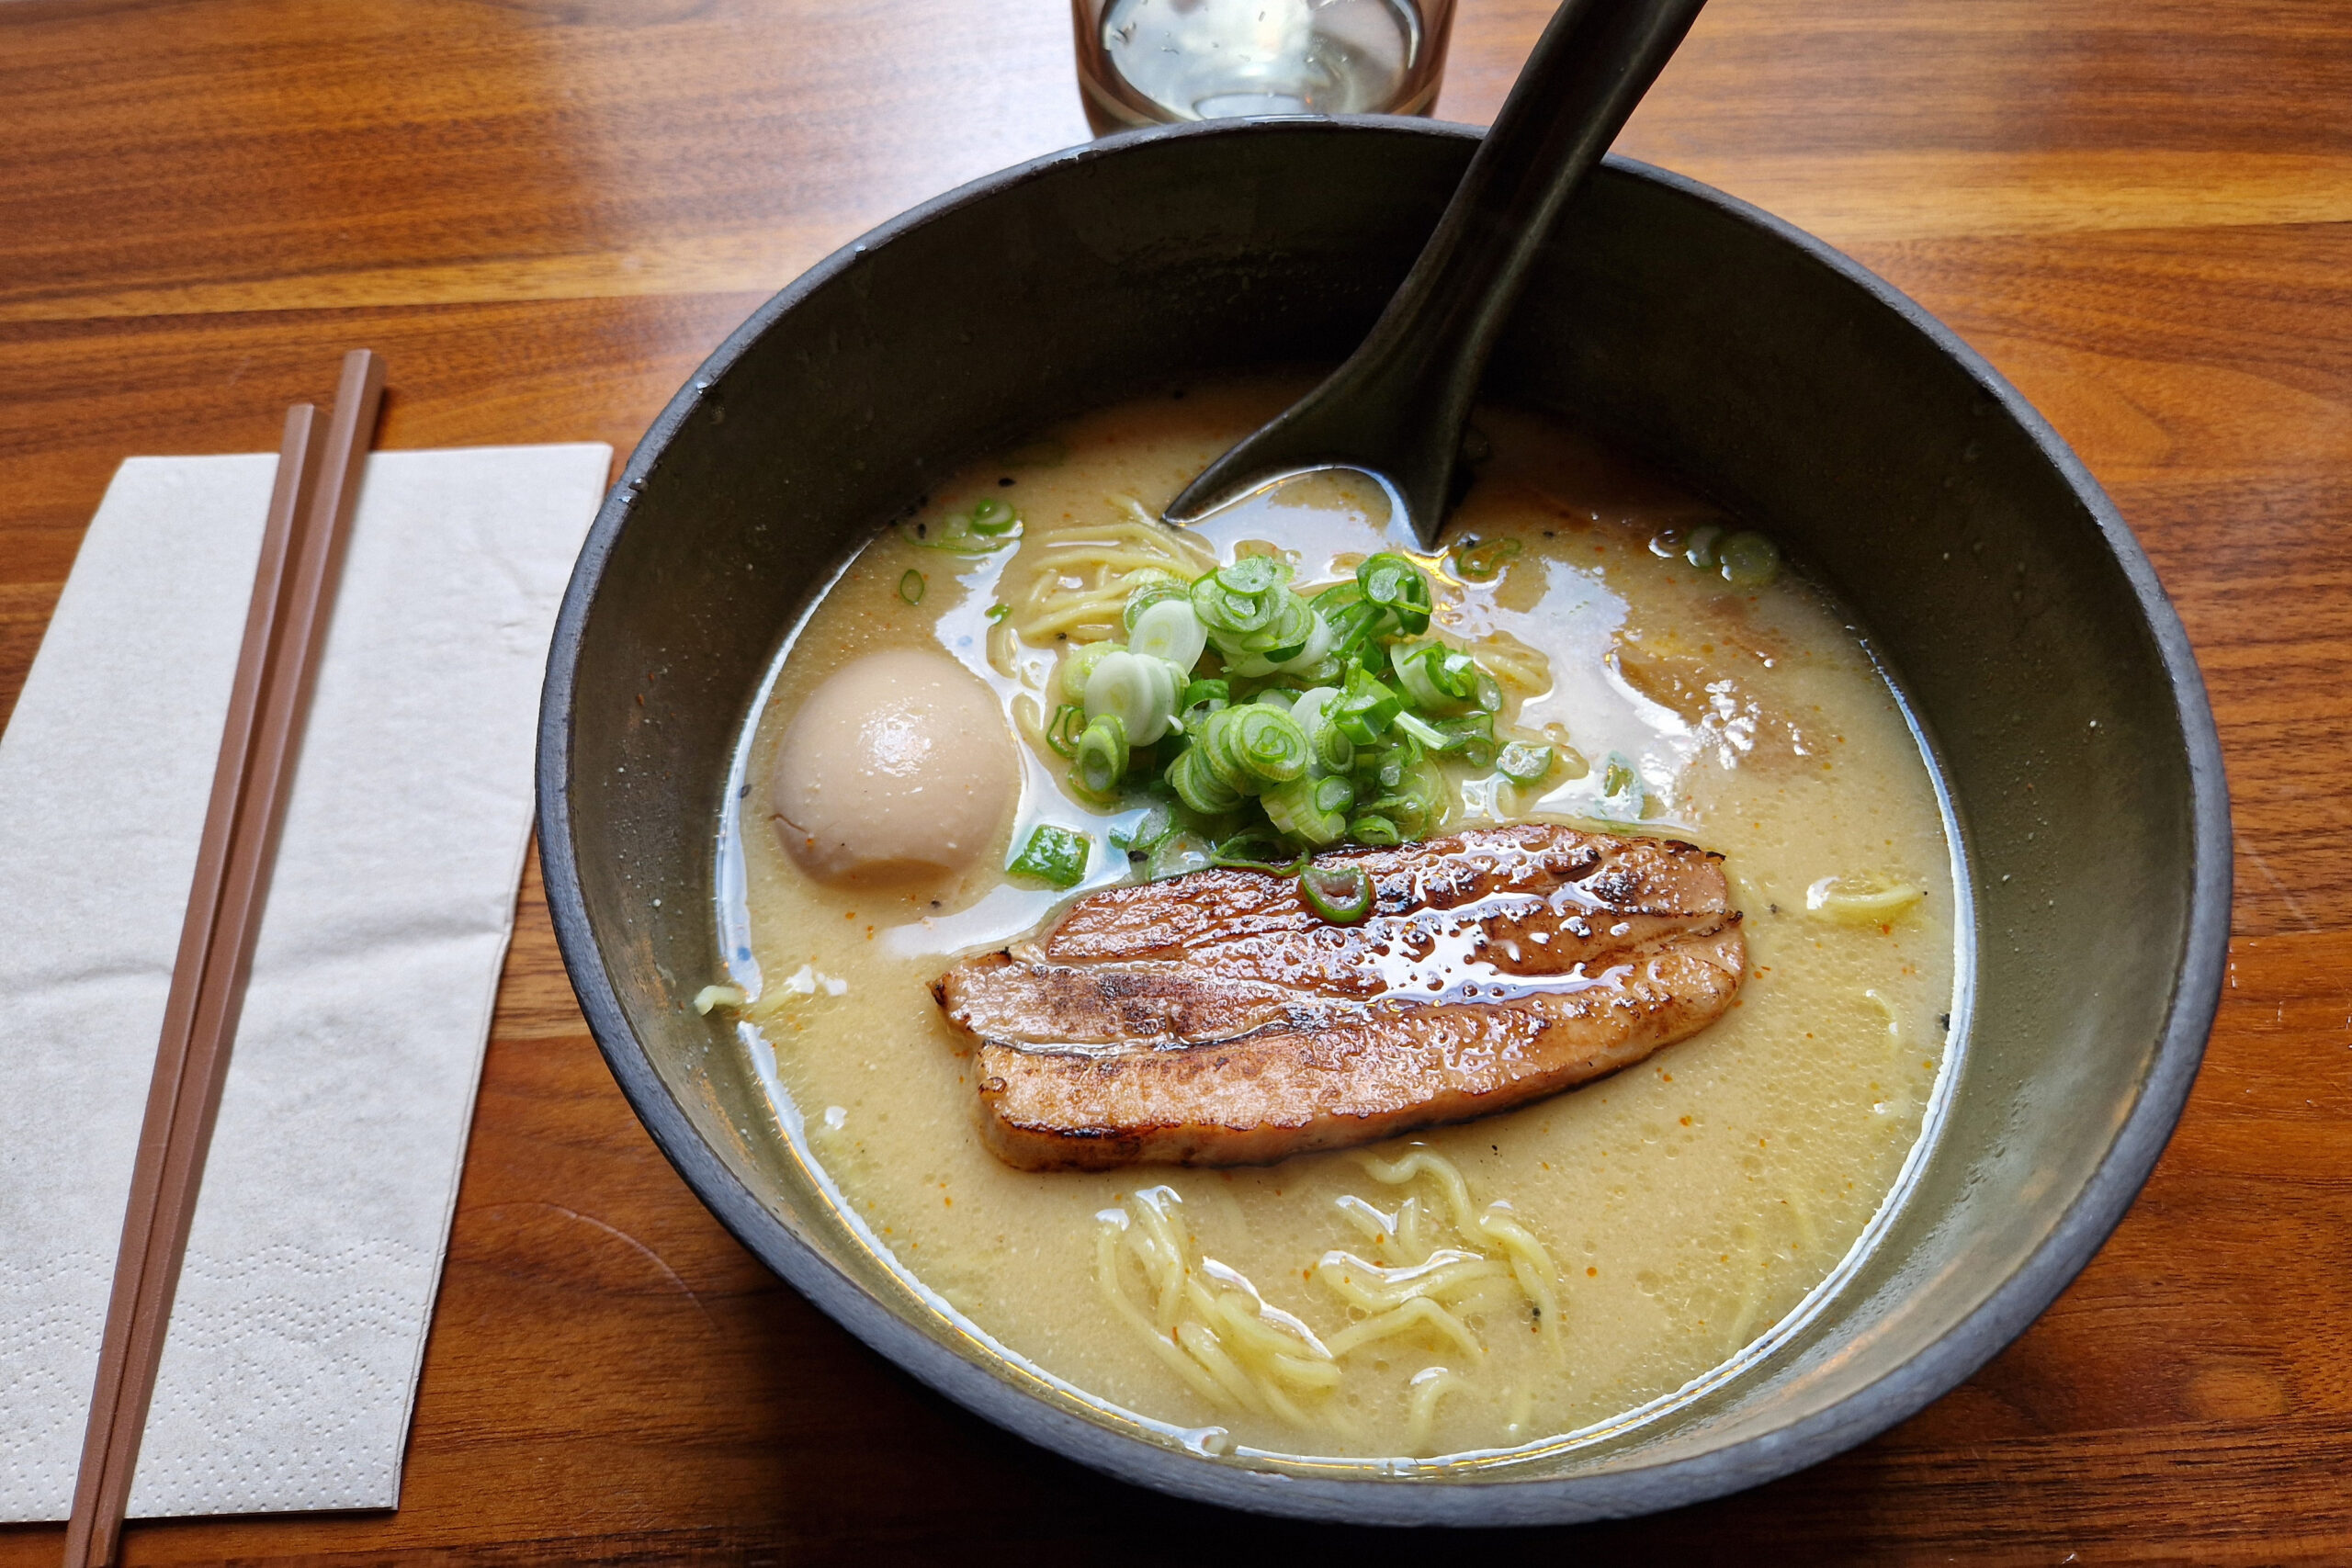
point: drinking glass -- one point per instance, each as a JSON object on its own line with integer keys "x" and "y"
{"x": 1149, "y": 61}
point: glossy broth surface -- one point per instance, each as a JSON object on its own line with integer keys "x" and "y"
{"x": 1687, "y": 1205}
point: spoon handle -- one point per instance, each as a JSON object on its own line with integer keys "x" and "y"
{"x": 1397, "y": 405}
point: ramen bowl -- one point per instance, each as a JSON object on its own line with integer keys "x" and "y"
{"x": 2051, "y": 680}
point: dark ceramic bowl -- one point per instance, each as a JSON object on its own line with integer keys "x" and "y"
{"x": 1762, "y": 366}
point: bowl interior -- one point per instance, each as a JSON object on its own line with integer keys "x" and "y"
{"x": 1987, "y": 570}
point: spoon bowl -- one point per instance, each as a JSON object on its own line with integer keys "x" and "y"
{"x": 1396, "y": 407}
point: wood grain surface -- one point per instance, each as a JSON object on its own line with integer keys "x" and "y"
{"x": 543, "y": 212}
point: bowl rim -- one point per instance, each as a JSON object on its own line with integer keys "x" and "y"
{"x": 1617, "y": 1491}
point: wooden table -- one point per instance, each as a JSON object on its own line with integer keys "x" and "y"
{"x": 544, "y": 211}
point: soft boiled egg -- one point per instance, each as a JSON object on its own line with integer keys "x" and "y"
{"x": 901, "y": 765}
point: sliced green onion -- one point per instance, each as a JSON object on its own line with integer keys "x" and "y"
{"x": 1286, "y": 635}
{"x": 1141, "y": 690}
{"x": 1340, "y": 894}
{"x": 1101, "y": 759}
{"x": 1749, "y": 560}
{"x": 998, "y": 613}
{"x": 1341, "y": 599}
{"x": 1295, "y": 636}
{"x": 1078, "y": 668}
{"x": 912, "y": 586}
{"x": 1053, "y": 854}
{"x": 1196, "y": 715}
{"x": 1469, "y": 736}
{"x": 1621, "y": 789}
{"x": 1198, "y": 786}
{"x": 958, "y": 533}
{"x": 1155, "y": 586}
{"x": 1416, "y": 666}
{"x": 1331, "y": 715}
{"x": 1314, "y": 649}
{"x": 1523, "y": 764}
{"x": 1397, "y": 584}
{"x": 1366, "y": 708}
{"x": 1355, "y": 627}
{"x": 1213, "y": 755}
{"x": 1070, "y": 722}
{"x": 1168, "y": 629}
{"x": 1412, "y": 803}
{"x": 1482, "y": 560}
{"x": 1255, "y": 574}
{"x": 1263, "y": 741}
{"x": 1199, "y": 691}
{"x": 1257, "y": 849}
{"x": 1157, "y": 823}
{"x": 1335, "y": 750}
{"x": 1314, "y": 810}
{"x": 991, "y": 516}
{"x": 1699, "y": 551}
{"x": 1421, "y": 730}
{"x": 1243, "y": 599}
{"x": 1382, "y": 770}
{"x": 1442, "y": 681}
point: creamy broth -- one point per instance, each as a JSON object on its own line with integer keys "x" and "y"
{"x": 1687, "y": 1205}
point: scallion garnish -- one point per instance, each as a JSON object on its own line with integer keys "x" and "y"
{"x": 1482, "y": 560}
{"x": 1340, "y": 894}
{"x": 990, "y": 517}
{"x": 1523, "y": 764}
{"x": 1621, "y": 789}
{"x": 1157, "y": 823}
{"x": 1053, "y": 854}
{"x": 1366, "y": 708}
{"x": 1102, "y": 759}
{"x": 990, "y": 525}
{"x": 1199, "y": 693}
{"x": 1421, "y": 729}
{"x": 1260, "y": 850}
{"x": 1399, "y": 586}
{"x": 1138, "y": 688}
{"x": 1700, "y": 551}
{"x": 1070, "y": 723}
{"x": 912, "y": 586}
{"x": 1168, "y": 629}
{"x": 1198, "y": 788}
{"x": 1313, "y": 811}
{"x": 1265, "y": 724}
{"x": 1747, "y": 560}
{"x": 1470, "y": 736}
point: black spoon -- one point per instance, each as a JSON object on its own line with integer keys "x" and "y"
{"x": 1396, "y": 407}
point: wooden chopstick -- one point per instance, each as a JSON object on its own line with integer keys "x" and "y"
{"x": 301, "y": 559}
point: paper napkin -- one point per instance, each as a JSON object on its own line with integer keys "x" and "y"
{"x": 291, "y": 1363}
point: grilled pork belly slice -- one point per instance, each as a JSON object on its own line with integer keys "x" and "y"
{"x": 1216, "y": 1019}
